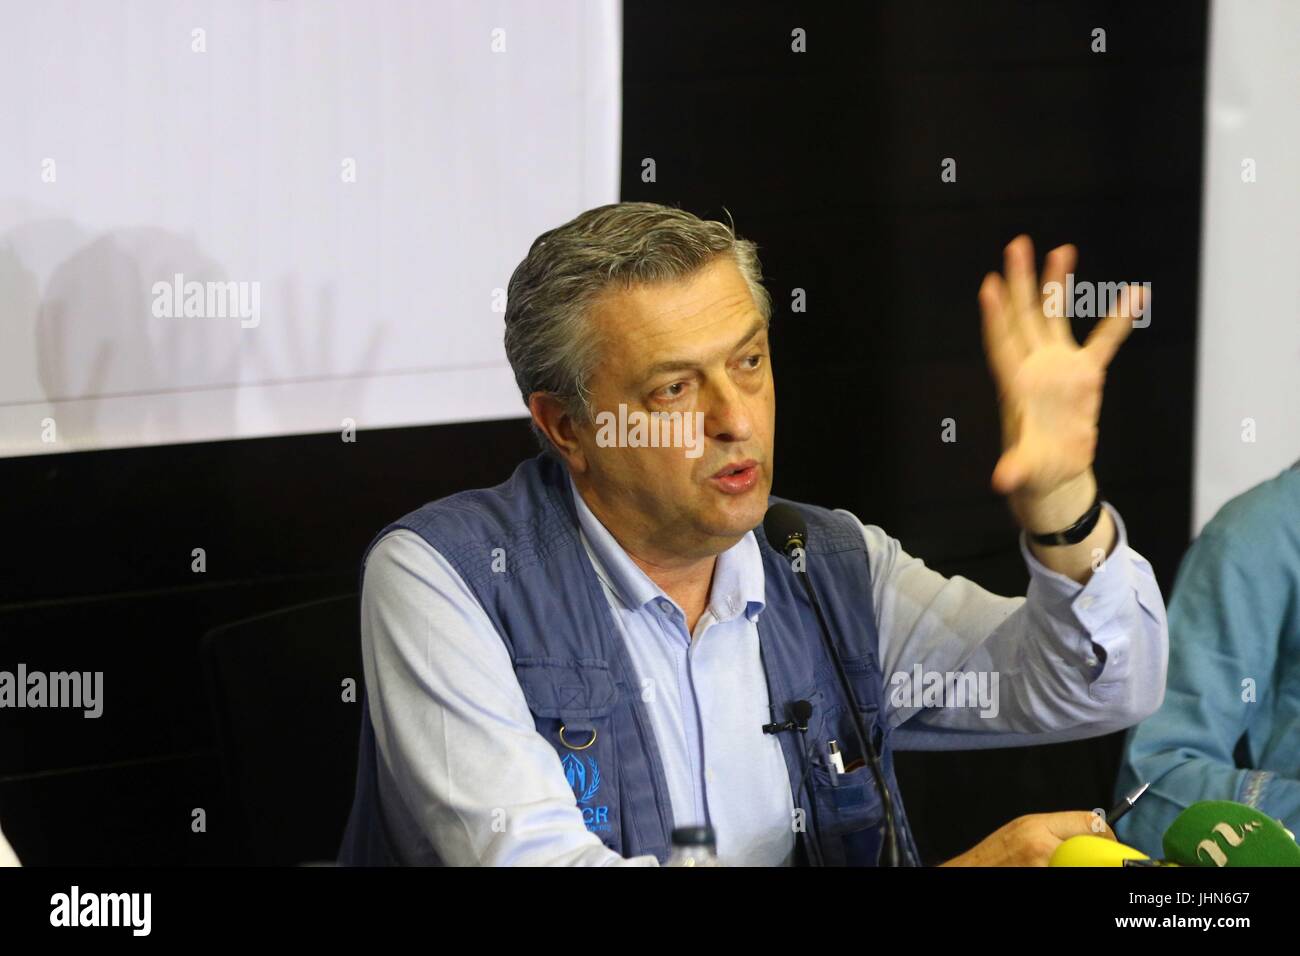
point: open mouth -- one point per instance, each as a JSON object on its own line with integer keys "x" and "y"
{"x": 737, "y": 478}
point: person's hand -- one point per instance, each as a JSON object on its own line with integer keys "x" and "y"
{"x": 1049, "y": 387}
{"x": 1031, "y": 840}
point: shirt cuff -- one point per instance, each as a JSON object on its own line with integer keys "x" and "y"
{"x": 1088, "y": 606}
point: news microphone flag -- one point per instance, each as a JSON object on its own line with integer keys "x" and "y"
{"x": 1215, "y": 833}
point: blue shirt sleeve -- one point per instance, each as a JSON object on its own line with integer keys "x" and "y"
{"x": 462, "y": 768}
{"x": 1233, "y": 671}
{"x": 1064, "y": 662}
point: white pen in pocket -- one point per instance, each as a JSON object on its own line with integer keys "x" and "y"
{"x": 836, "y": 758}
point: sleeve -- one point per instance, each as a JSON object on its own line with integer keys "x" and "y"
{"x": 452, "y": 729}
{"x": 1226, "y": 612}
{"x": 967, "y": 669}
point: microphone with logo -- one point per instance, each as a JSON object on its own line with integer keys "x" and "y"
{"x": 1211, "y": 833}
{"x": 1218, "y": 833}
{"x": 787, "y": 532}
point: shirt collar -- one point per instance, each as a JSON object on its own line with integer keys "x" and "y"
{"x": 737, "y": 578}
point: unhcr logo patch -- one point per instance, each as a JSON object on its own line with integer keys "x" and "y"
{"x": 584, "y": 779}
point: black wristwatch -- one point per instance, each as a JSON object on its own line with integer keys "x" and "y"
{"x": 1077, "y": 531}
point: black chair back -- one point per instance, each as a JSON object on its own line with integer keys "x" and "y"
{"x": 287, "y": 728}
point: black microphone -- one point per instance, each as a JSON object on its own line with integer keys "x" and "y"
{"x": 786, "y": 531}
{"x": 800, "y": 711}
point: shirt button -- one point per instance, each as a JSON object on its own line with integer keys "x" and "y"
{"x": 1085, "y": 602}
{"x": 665, "y": 606}
{"x": 1092, "y": 661}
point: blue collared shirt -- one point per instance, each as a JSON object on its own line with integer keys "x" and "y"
{"x": 1234, "y": 673}
{"x": 464, "y": 775}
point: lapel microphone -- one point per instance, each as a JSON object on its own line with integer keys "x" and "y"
{"x": 799, "y": 711}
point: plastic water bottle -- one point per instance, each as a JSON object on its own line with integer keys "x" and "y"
{"x": 694, "y": 846}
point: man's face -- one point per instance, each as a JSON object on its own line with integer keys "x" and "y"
{"x": 697, "y": 345}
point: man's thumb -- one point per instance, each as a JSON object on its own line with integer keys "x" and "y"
{"x": 1009, "y": 474}
{"x": 1071, "y": 823}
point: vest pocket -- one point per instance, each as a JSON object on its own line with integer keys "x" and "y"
{"x": 573, "y": 690}
{"x": 572, "y": 702}
{"x": 849, "y": 816}
{"x": 866, "y": 680}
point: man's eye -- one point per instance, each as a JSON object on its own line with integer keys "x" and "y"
{"x": 667, "y": 390}
{"x": 755, "y": 360}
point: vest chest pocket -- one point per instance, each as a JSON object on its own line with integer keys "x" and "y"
{"x": 867, "y": 681}
{"x": 849, "y": 813}
{"x": 849, "y": 816}
{"x": 837, "y": 723}
{"x": 573, "y": 702}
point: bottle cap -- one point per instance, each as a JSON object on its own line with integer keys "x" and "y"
{"x": 694, "y": 836}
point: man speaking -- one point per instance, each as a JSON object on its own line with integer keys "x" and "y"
{"x": 563, "y": 668}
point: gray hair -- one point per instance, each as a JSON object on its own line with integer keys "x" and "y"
{"x": 548, "y": 341}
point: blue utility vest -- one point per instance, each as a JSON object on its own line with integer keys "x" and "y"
{"x": 549, "y": 608}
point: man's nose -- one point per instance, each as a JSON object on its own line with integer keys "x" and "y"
{"x": 728, "y": 417}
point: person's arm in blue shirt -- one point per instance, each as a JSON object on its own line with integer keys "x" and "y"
{"x": 471, "y": 776}
{"x": 1070, "y": 660}
{"x": 1234, "y": 621}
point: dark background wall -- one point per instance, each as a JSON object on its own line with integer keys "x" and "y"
{"x": 830, "y": 160}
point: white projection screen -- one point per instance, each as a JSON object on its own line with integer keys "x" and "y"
{"x": 342, "y": 188}
{"x": 1248, "y": 390}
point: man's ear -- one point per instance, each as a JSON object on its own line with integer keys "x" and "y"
{"x": 550, "y": 415}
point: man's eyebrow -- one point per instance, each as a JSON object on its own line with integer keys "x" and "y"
{"x": 681, "y": 365}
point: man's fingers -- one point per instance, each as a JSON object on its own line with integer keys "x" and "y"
{"x": 1109, "y": 334}
{"x": 1026, "y": 309}
{"x": 1001, "y": 345}
{"x": 1060, "y": 262}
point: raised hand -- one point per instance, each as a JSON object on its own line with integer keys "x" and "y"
{"x": 1049, "y": 387}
